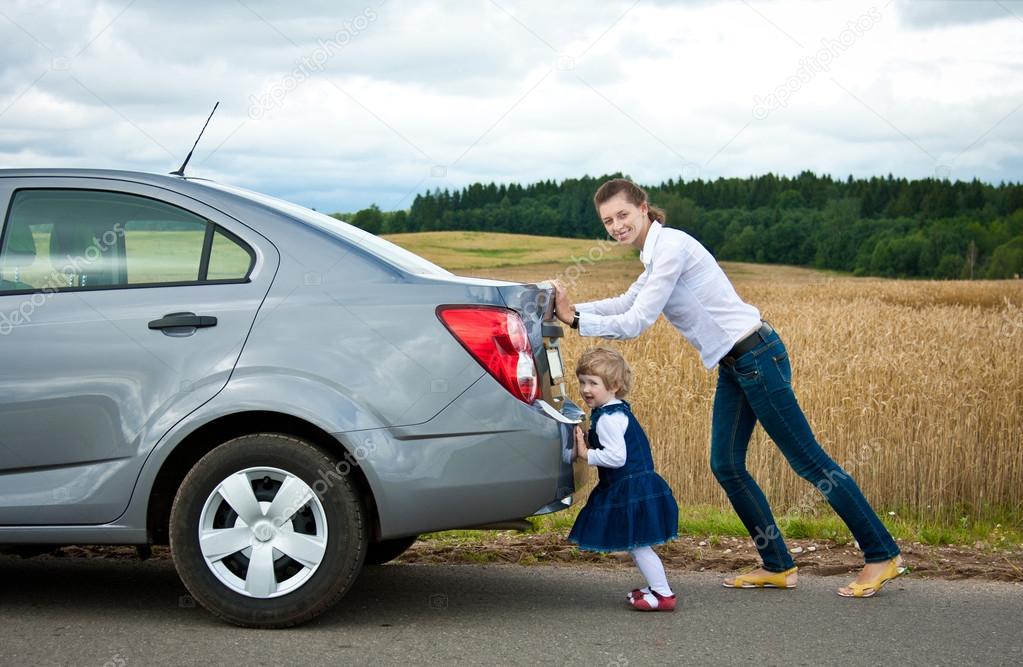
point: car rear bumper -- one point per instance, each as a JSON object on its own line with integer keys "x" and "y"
{"x": 485, "y": 458}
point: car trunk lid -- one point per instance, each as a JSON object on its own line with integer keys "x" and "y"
{"x": 535, "y": 304}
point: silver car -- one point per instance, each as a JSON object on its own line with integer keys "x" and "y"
{"x": 277, "y": 395}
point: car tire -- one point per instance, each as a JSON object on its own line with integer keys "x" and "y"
{"x": 301, "y": 547}
{"x": 385, "y": 551}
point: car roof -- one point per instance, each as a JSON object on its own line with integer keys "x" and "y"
{"x": 183, "y": 185}
{"x": 141, "y": 176}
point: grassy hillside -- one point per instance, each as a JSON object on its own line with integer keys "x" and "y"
{"x": 459, "y": 251}
{"x": 526, "y": 258}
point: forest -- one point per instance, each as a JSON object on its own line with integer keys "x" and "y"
{"x": 882, "y": 226}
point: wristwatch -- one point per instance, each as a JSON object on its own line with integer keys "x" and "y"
{"x": 575, "y": 321}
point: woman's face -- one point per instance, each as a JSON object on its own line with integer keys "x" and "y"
{"x": 624, "y": 221}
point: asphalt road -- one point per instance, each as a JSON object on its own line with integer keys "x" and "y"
{"x": 78, "y": 611}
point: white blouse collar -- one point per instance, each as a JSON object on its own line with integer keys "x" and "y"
{"x": 646, "y": 255}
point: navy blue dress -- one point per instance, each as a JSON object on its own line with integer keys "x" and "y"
{"x": 631, "y": 506}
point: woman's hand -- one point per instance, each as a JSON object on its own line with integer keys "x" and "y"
{"x": 564, "y": 308}
{"x": 580, "y": 445}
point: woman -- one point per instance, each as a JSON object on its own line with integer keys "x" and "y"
{"x": 683, "y": 281}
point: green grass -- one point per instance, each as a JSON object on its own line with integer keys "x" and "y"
{"x": 713, "y": 523}
{"x": 490, "y": 252}
{"x": 463, "y": 251}
{"x": 992, "y": 531}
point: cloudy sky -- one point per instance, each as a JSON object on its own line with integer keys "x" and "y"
{"x": 337, "y": 105}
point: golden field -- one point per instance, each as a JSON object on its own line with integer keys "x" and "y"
{"x": 914, "y": 387}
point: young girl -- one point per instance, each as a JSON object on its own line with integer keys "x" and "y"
{"x": 631, "y": 507}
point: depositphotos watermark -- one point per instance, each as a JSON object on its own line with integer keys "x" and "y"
{"x": 807, "y": 503}
{"x": 811, "y": 66}
{"x": 273, "y": 97}
{"x": 73, "y": 265}
{"x": 119, "y": 659}
{"x": 327, "y": 479}
{"x": 569, "y": 278}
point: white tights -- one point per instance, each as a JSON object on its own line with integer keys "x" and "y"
{"x": 650, "y": 565}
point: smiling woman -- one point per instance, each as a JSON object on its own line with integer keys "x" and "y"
{"x": 682, "y": 281}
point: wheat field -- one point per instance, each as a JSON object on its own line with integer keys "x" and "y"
{"x": 914, "y": 387}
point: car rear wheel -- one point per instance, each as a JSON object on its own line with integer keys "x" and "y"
{"x": 263, "y": 536}
{"x": 385, "y": 551}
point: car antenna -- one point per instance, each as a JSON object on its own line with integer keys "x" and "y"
{"x": 181, "y": 170}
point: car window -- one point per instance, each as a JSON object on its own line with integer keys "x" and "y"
{"x": 229, "y": 260}
{"x": 60, "y": 239}
{"x": 166, "y": 250}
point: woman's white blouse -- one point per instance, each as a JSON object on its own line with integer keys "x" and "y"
{"x": 682, "y": 280}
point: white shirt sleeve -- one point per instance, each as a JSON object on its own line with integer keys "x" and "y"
{"x": 615, "y": 305}
{"x": 611, "y": 432}
{"x": 661, "y": 278}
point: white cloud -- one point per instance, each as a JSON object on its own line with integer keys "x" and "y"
{"x": 337, "y": 105}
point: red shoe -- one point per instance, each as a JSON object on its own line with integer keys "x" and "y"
{"x": 663, "y": 603}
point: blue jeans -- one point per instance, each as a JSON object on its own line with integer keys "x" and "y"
{"x": 759, "y": 387}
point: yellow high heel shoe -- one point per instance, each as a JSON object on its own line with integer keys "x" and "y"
{"x": 773, "y": 580}
{"x": 871, "y": 588}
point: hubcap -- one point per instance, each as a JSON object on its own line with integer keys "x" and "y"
{"x": 263, "y": 532}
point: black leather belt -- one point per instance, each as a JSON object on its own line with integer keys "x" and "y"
{"x": 747, "y": 344}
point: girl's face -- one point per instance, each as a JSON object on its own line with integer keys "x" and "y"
{"x": 593, "y": 391}
{"x": 624, "y": 221}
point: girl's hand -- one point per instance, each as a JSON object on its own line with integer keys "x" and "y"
{"x": 580, "y": 444}
{"x": 564, "y": 307}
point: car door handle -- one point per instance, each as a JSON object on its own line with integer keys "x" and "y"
{"x": 174, "y": 320}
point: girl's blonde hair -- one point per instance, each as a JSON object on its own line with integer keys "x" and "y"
{"x": 609, "y": 365}
{"x": 634, "y": 194}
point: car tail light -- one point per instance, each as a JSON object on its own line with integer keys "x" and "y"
{"x": 496, "y": 337}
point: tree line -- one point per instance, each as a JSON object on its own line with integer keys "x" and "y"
{"x": 882, "y": 226}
